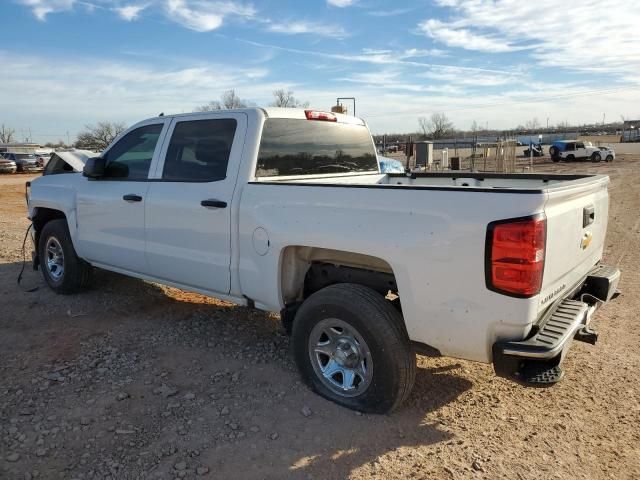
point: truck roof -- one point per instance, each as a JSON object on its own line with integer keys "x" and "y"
{"x": 275, "y": 112}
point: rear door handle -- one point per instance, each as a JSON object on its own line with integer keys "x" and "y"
{"x": 132, "y": 197}
{"x": 212, "y": 202}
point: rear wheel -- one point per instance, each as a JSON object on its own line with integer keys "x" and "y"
{"x": 555, "y": 153}
{"x": 351, "y": 347}
{"x": 61, "y": 268}
{"x": 570, "y": 158}
{"x": 596, "y": 157}
{"x": 609, "y": 158}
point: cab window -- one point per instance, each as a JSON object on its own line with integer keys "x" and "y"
{"x": 130, "y": 158}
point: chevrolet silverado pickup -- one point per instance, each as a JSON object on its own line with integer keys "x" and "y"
{"x": 286, "y": 210}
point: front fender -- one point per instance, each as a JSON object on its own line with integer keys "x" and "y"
{"x": 55, "y": 192}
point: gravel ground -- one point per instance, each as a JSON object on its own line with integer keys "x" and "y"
{"x": 134, "y": 380}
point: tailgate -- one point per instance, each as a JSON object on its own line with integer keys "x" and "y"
{"x": 577, "y": 214}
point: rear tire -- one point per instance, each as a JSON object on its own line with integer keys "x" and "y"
{"x": 609, "y": 158}
{"x": 352, "y": 348}
{"x": 61, "y": 267}
{"x": 570, "y": 158}
{"x": 554, "y": 152}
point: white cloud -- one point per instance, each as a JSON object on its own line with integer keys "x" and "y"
{"x": 130, "y": 12}
{"x": 390, "y": 13}
{"x": 42, "y": 8}
{"x": 204, "y": 16}
{"x": 422, "y": 52}
{"x": 375, "y": 57}
{"x": 584, "y": 35}
{"x": 341, "y": 3}
{"x": 296, "y": 27}
{"x": 452, "y": 35}
{"x": 116, "y": 89}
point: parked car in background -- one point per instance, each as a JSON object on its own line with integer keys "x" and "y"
{"x": 25, "y": 162}
{"x": 570, "y": 150}
{"x": 43, "y": 159}
{"x": 390, "y": 165}
{"x": 7, "y": 166}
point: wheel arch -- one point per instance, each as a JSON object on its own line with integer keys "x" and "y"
{"x": 304, "y": 270}
{"x": 42, "y": 215}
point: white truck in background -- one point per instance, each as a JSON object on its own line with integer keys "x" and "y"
{"x": 286, "y": 210}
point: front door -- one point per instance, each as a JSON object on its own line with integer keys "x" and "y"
{"x": 188, "y": 208}
{"x": 110, "y": 210}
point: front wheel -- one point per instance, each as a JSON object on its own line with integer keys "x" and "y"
{"x": 609, "y": 158}
{"x": 61, "y": 268}
{"x": 596, "y": 157}
{"x": 352, "y": 348}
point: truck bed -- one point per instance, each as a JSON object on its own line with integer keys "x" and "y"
{"x": 431, "y": 229}
{"x": 526, "y": 182}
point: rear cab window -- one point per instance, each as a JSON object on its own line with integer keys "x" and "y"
{"x": 304, "y": 147}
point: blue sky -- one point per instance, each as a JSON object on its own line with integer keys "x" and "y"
{"x": 67, "y": 63}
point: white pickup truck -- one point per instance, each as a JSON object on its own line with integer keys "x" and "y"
{"x": 286, "y": 210}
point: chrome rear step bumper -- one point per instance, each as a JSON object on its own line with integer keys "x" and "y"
{"x": 536, "y": 360}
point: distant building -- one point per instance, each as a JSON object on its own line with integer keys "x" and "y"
{"x": 630, "y": 130}
{"x": 21, "y": 147}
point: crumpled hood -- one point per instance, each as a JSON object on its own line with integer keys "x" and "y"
{"x": 75, "y": 158}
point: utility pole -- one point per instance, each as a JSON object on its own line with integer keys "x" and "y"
{"x": 547, "y": 123}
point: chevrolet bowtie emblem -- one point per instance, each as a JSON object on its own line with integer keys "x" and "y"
{"x": 586, "y": 240}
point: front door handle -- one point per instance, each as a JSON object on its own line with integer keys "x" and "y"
{"x": 132, "y": 197}
{"x": 212, "y": 202}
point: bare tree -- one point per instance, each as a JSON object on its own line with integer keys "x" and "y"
{"x": 285, "y": 99}
{"x": 6, "y": 134}
{"x": 532, "y": 124}
{"x": 474, "y": 127}
{"x": 228, "y": 100}
{"x": 563, "y": 125}
{"x": 100, "y": 135}
{"x": 437, "y": 126}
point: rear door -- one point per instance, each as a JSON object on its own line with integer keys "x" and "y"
{"x": 581, "y": 151}
{"x": 188, "y": 212}
{"x": 110, "y": 210}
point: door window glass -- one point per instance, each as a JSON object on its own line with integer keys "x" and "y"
{"x": 130, "y": 158}
{"x": 199, "y": 150}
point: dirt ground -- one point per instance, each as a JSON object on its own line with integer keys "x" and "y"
{"x": 133, "y": 380}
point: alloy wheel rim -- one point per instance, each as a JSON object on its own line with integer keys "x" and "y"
{"x": 55, "y": 258}
{"x": 340, "y": 357}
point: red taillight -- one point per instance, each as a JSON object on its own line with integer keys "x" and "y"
{"x": 324, "y": 116}
{"x": 515, "y": 256}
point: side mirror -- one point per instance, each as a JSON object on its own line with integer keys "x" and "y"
{"x": 94, "y": 168}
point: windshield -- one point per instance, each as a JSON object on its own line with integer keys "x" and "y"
{"x": 302, "y": 147}
{"x": 25, "y": 156}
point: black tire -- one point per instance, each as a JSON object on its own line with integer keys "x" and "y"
{"x": 609, "y": 158}
{"x": 596, "y": 157}
{"x": 380, "y": 325}
{"x": 75, "y": 273}
{"x": 554, "y": 152}
{"x": 570, "y": 158}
